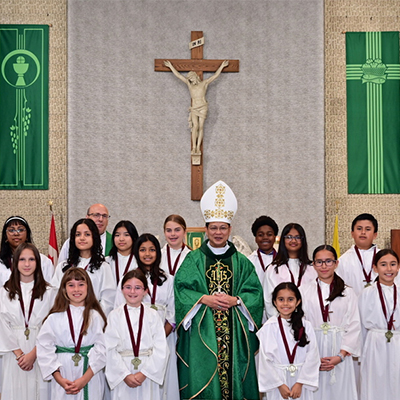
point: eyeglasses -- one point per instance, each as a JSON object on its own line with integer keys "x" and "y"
{"x": 135, "y": 288}
{"x": 328, "y": 262}
{"x": 13, "y": 231}
{"x": 290, "y": 237}
{"x": 98, "y": 216}
{"x": 222, "y": 229}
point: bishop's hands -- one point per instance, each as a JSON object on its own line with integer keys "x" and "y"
{"x": 219, "y": 301}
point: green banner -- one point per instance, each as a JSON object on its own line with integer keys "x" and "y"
{"x": 373, "y": 112}
{"x": 24, "y": 110}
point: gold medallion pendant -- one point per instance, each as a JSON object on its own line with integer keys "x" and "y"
{"x": 136, "y": 362}
{"x": 76, "y": 358}
{"x": 388, "y": 335}
{"x": 292, "y": 369}
{"x": 325, "y": 328}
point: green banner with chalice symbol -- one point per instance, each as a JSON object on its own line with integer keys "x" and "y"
{"x": 24, "y": 108}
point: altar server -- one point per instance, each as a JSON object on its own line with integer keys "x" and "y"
{"x": 291, "y": 264}
{"x": 264, "y": 230}
{"x": 25, "y": 300}
{"x": 16, "y": 230}
{"x": 332, "y": 309}
{"x": 160, "y": 297}
{"x": 380, "y": 317}
{"x": 70, "y": 346}
{"x": 121, "y": 258}
{"x": 175, "y": 250}
{"x": 355, "y": 265}
{"x": 85, "y": 252}
{"x": 137, "y": 350}
{"x": 289, "y": 359}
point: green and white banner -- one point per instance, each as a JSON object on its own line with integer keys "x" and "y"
{"x": 24, "y": 110}
{"x": 373, "y": 112}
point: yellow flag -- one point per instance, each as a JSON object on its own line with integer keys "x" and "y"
{"x": 335, "y": 243}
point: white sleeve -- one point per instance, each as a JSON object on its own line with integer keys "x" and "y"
{"x": 97, "y": 354}
{"x": 155, "y": 366}
{"x": 119, "y": 296}
{"x": 268, "y": 288}
{"x": 116, "y": 370}
{"x": 352, "y": 336}
{"x": 268, "y": 376}
{"x": 187, "y": 322}
{"x": 170, "y": 311}
{"x": 46, "y": 350}
{"x": 8, "y": 340}
{"x": 47, "y": 268}
{"x": 58, "y": 274}
{"x": 309, "y": 372}
{"x": 63, "y": 256}
{"x": 107, "y": 289}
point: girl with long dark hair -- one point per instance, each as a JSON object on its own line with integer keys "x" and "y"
{"x": 121, "y": 258}
{"x": 288, "y": 359}
{"x": 85, "y": 252}
{"x": 160, "y": 296}
{"x": 291, "y": 264}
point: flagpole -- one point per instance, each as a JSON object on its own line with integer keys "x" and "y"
{"x": 53, "y": 247}
{"x": 335, "y": 241}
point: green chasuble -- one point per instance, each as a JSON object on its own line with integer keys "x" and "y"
{"x": 216, "y": 353}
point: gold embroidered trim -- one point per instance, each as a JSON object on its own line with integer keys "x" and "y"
{"x": 247, "y": 344}
{"x": 219, "y": 204}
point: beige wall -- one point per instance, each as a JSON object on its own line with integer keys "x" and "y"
{"x": 128, "y": 137}
{"x": 33, "y": 204}
{"x": 341, "y": 16}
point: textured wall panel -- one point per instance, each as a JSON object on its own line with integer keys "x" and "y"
{"x": 129, "y": 142}
{"x": 33, "y": 204}
{"x": 356, "y": 16}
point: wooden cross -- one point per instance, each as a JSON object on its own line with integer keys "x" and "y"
{"x": 199, "y": 65}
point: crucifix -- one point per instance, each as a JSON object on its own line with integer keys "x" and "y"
{"x": 197, "y": 87}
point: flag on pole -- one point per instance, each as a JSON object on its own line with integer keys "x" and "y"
{"x": 53, "y": 247}
{"x": 335, "y": 242}
{"x": 373, "y": 118}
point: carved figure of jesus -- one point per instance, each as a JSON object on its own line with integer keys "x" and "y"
{"x": 199, "y": 108}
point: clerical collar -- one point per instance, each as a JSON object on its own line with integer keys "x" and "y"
{"x": 218, "y": 250}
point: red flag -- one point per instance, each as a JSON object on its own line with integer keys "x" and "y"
{"x": 53, "y": 248}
